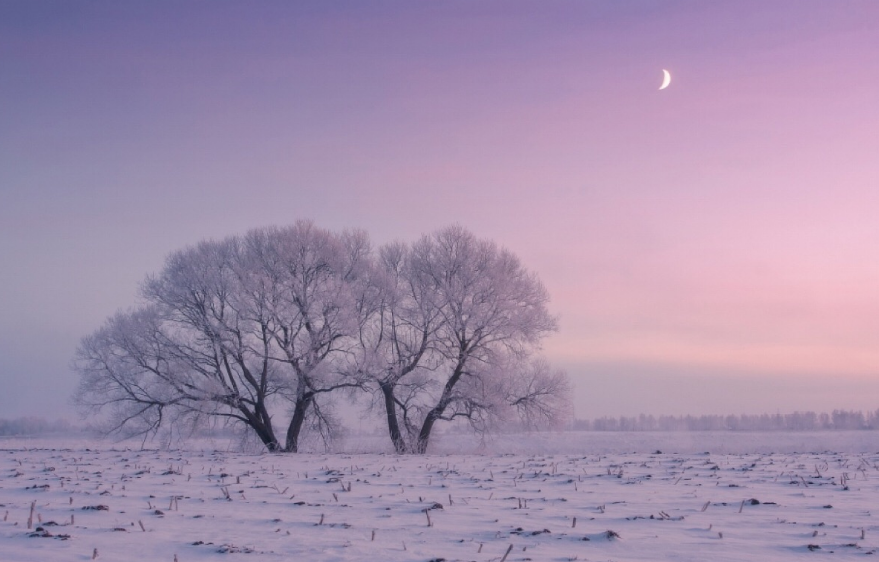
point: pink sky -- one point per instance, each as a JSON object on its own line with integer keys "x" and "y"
{"x": 721, "y": 231}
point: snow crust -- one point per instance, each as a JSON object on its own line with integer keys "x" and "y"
{"x": 120, "y": 504}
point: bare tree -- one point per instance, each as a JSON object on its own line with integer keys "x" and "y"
{"x": 236, "y": 329}
{"x": 320, "y": 301}
{"x": 458, "y": 315}
{"x": 400, "y": 343}
{"x": 287, "y": 318}
{"x": 492, "y": 309}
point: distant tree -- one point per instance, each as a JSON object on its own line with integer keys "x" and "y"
{"x": 235, "y": 329}
{"x": 843, "y": 419}
{"x": 34, "y": 426}
{"x": 458, "y": 322}
{"x": 797, "y": 421}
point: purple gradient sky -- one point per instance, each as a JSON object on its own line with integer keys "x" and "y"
{"x": 713, "y": 247}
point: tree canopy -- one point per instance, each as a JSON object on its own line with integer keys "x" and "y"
{"x": 279, "y": 319}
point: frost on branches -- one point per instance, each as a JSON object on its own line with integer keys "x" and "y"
{"x": 273, "y": 325}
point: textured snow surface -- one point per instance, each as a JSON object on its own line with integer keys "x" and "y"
{"x": 204, "y": 505}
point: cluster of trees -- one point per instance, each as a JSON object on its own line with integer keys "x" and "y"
{"x": 34, "y": 426}
{"x": 282, "y": 323}
{"x": 797, "y": 421}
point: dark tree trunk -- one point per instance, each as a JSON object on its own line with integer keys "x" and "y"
{"x": 268, "y": 439}
{"x": 270, "y": 443}
{"x": 426, "y": 427}
{"x": 437, "y": 411}
{"x": 267, "y": 432}
{"x": 300, "y": 410}
{"x": 261, "y": 424}
{"x": 393, "y": 424}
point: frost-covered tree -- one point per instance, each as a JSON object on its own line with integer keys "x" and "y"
{"x": 399, "y": 345}
{"x": 237, "y": 329}
{"x": 459, "y": 321}
{"x": 273, "y": 324}
{"x": 320, "y": 286}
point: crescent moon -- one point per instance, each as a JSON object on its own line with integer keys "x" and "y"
{"x": 666, "y": 80}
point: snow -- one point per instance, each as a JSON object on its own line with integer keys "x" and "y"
{"x": 631, "y": 503}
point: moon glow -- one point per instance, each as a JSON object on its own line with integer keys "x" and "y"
{"x": 666, "y": 79}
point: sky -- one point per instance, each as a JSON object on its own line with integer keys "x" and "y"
{"x": 709, "y": 248}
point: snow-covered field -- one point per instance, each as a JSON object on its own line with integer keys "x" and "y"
{"x": 575, "y": 496}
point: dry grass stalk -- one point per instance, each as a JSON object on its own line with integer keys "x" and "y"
{"x": 704, "y": 507}
{"x": 427, "y": 513}
{"x": 142, "y": 528}
{"x": 30, "y": 519}
{"x": 574, "y": 523}
{"x": 509, "y": 548}
{"x": 741, "y": 507}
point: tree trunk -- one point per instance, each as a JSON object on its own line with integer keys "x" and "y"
{"x": 267, "y": 432}
{"x": 303, "y": 403}
{"x": 267, "y": 436}
{"x": 437, "y": 411}
{"x": 393, "y": 424}
{"x": 261, "y": 424}
{"x": 426, "y": 427}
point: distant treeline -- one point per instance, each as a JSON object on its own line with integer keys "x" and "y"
{"x": 797, "y": 421}
{"x": 35, "y": 426}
